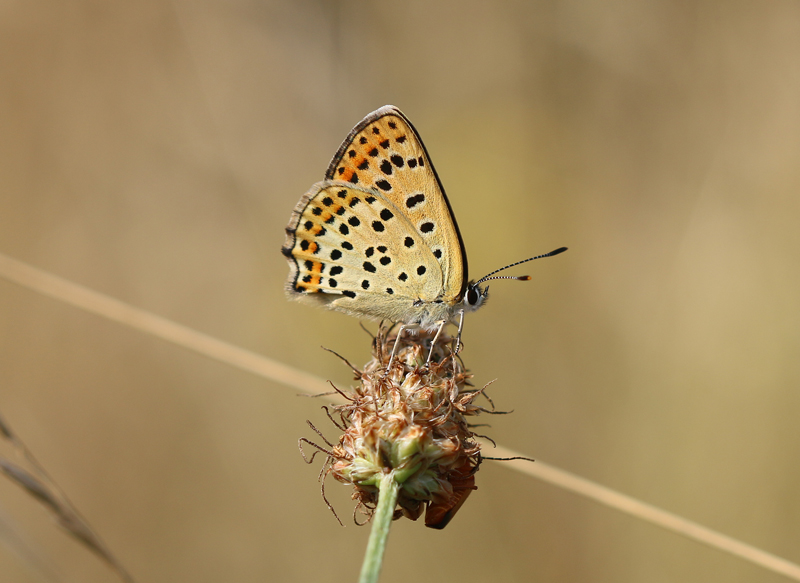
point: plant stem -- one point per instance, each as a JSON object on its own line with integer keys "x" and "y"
{"x": 381, "y": 521}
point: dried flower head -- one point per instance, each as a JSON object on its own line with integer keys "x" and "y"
{"x": 411, "y": 421}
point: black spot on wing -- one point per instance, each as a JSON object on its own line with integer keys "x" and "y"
{"x": 414, "y": 200}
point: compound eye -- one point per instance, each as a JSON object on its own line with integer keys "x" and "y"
{"x": 472, "y": 295}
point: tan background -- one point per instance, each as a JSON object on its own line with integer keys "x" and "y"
{"x": 153, "y": 151}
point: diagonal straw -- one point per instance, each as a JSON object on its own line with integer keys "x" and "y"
{"x": 102, "y": 305}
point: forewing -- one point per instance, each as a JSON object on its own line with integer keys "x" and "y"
{"x": 384, "y": 152}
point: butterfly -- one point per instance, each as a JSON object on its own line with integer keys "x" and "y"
{"x": 378, "y": 239}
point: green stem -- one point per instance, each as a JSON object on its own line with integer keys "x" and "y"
{"x": 381, "y": 521}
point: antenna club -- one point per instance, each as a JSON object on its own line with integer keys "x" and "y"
{"x": 524, "y": 278}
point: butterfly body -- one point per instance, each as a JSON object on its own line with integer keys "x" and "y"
{"x": 377, "y": 238}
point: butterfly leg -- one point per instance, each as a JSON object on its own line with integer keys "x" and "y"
{"x": 459, "y": 346}
{"x": 442, "y": 324}
{"x": 394, "y": 348}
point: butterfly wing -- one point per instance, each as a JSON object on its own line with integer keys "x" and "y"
{"x": 385, "y": 153}
{"x": 351, "y": 249}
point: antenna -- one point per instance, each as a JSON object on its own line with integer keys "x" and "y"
{"x": 520, "y": 277}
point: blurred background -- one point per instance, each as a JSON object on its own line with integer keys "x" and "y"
{"x": 153, "y": 151}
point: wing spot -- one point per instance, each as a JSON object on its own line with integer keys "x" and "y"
{"x": 397, "y": 160}
{"x": 421, "y": 161}
{"x": 343, "y": 229}
{"x": 354, "y": 222}
{"x": 332, "y": 282}
{"x": 437, "y": 253}
{"x": 402, "y": 276}
{"x": 342, "y": 193}
{"x": 370, "y": 199}
{"x": 375, "y": 130}
{"x": 401, "y": 139}
{"x": 389, "y": 291}
{"x": 347, "y": 245}
{"x": 365, "y": 284}
{"x": 392, "y": 125}
{"x": 362, "y": 140}
{"x": 386, "y": 214}
{"x": 307, "y": 225}
{"x": 421, "y": 270}
{"x": 317, "y": 211}
{"x": 336, "y": 254}
{"x": 304, "y": 245}
{"x": 373, "y": 152}
{"x": 309, "y": 264}
{"x": 427, "y": 227}
{"x": 340, "y": 170}
{"x": 336, "y": 269}
{"x": 386, "y": 260}
{"x": 364, "y": 165}
{"x": 327, "y": 201}
{"x": 384, "y": 144}
{"x": 340, "y": 211}
{"x": 377, "y": 226}
{"x": 386, "y": 167}
{"x": 382, "y": 248}
{"x": 352, "y": 153}
{"x": 349, "y": 294}
{"x": 369, "y": 267}
{"x": 414, "y": 200}
{"x": 370, "y": 251}
{"x": 409, "y": 242}
{"x": 412, "y": 162}
{"x": 383, "y": 185}
{"x": 353, "y": 201}
{"x": 354, "y": 178}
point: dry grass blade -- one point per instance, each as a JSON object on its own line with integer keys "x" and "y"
{"x": 39, "y": 485}
{"x": 651, "y": 514}
{"x": 102, "y": 305}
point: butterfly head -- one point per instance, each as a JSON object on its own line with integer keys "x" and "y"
{"x": 475, "y": 296}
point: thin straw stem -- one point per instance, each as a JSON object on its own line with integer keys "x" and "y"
{"x": 102, "y": 305}
{"x": 381, "y": 522}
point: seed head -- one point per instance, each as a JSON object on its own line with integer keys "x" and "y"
{"x": 411, "y": 421}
